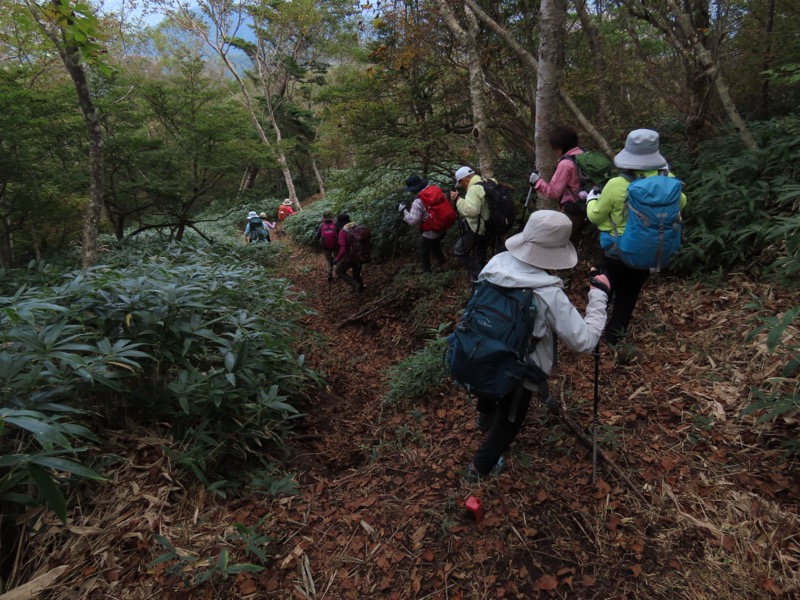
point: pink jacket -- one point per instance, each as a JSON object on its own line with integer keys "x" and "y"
{"x": 565, "y": 183}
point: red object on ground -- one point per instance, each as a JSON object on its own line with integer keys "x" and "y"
{"x": 475, "y": 506}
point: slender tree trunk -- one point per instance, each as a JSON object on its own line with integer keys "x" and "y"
{"x": 70, "y": 56}
{"x": 248, "y": 179}
{"x": 317, "y": 176}
{"x": 552, "y": 28}
{"x": 531, "y": 63}
{"x": 711, "y": 70}
{"x": 468, "y": 39}
{"x": 766, "y": 63}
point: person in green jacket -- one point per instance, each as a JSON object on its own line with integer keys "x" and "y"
{"x": 640, "y": 158}
{"x": 473, "y": 210}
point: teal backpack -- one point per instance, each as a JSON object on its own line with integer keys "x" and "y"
{"x": 488, "y": 351}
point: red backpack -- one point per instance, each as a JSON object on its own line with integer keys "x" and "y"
{"x": 441, "y": 214}
{"x": 329, "y": 236}
{"x": 359, "y": 248}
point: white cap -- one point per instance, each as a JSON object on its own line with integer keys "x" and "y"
{"x": 464, "y": 172}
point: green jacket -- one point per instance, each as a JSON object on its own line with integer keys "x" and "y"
{"x": 610, "y": 207}
{"x": 473, "y": 205}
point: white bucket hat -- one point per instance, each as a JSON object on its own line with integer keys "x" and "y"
{"x": 287, "y": 202}
{"x": 464, "y": 172}
{"x": 640, "y": 152}
{"x": 252, "y": 215}
{"x": 544, "y": 243}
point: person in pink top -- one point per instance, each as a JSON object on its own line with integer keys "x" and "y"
{"x": 565, "y": 185}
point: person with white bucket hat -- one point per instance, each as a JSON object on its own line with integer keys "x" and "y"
{"x": 542, "y": 247}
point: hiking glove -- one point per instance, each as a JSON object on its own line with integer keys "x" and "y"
{"x": 593, "y": 195}
{"x": 401, "y": 207}
{"x": 601, "y": 282}
{"x": 534, "y": 178}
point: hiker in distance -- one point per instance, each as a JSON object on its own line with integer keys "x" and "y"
{"x": 639, "y": 159}
{"x": 473, "y": 245}
{"x": 268, "y": 225}
{"x": 255, "y": 231}
{"x": 354, "y": 251}
{"x": 328, "y": 236}
{"x": 542, "y": 247}
{"x": 433, "y": 213}
{"x": 565, "y": 185}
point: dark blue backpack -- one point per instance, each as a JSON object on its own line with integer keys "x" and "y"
{"x": 653, "y": 229}
{"x": 487, "y": 353}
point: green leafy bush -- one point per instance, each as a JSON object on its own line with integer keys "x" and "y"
{"x": 191, "y": 335}
{"x": 743, "y": 204}
{"x": 419, "y": 374}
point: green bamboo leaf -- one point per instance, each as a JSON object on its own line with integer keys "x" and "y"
{"x": 63, "y": 464}
{"x": 49, "y": 490}
{"x": 45, "y": 434}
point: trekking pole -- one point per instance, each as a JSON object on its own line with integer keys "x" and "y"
{"x": 596, "y": 417}
{"x": 525, "y": 209}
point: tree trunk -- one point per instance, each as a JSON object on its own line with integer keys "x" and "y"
{"x": 530, "y": 61}
{"x": 318, "y": 176}
{"x": 552, "y": 30}
{"x": 766, "y": 63}
{"x": 248, "y": 179}
{"x": 469, "y": 41}
{"x": 70, "y": 55}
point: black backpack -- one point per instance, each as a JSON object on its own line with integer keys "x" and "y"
{"x": 488, "y": 351}
{"x": 257, "y": 230}
{"x": 501, "y": 208}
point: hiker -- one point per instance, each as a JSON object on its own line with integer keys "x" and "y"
{"x": 267, "y": 224}
{"x": 640, "y": 158}
{"x": 328, "y": 237}
{"x": 565, "y": 185}
{"x": 433, "y": 213}
{"x": 284, "y": 210}
{"x": 347, "y": 257}
{"x": 472, "y": 246}
{"x": 255, "y": 231}
{"x": 543, "y": 246}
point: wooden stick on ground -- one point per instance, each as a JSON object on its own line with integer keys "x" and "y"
{"x": 372, "y": 307}
{"x": 587, "y": 443}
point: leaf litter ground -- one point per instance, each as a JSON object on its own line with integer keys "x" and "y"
{"x": 380, "y": 513}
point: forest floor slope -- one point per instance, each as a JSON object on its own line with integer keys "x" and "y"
{"x": 711, "y": 509}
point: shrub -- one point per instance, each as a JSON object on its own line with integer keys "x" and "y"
{"x": 188, "y": 334}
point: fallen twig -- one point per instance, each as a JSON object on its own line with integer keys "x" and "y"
{"x": 372, "y": 307}
{"x": 587, "y": 443}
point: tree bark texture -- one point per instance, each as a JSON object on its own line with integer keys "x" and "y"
{"x": 70, "y": 56}
{"x": 552, "y": 30}
{"x": 531, "y": 63}
{"x": 468, "y": 40}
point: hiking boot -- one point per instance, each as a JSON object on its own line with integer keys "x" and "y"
{"x": 484, "y": 421}
{"x": 472, "y": 475}
{"x": 360, "y": 288}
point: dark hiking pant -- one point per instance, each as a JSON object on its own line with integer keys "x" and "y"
{"x": 355, "y": 282}
{"x": 428, "y": 246}
{"x": 470, "y": 250}
{"x": 626, "y": 284}
{"x": 509, "y": 415}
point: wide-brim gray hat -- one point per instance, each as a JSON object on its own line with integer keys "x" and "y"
{"x": 544, "y": 243}
{"x": 252, "y": 215}
{"x": 640, "y": 152}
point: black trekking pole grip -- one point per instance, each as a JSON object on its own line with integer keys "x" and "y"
{"x": 596, "y": 417}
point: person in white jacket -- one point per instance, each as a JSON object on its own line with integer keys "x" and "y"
{"x": 542, "y": 247}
